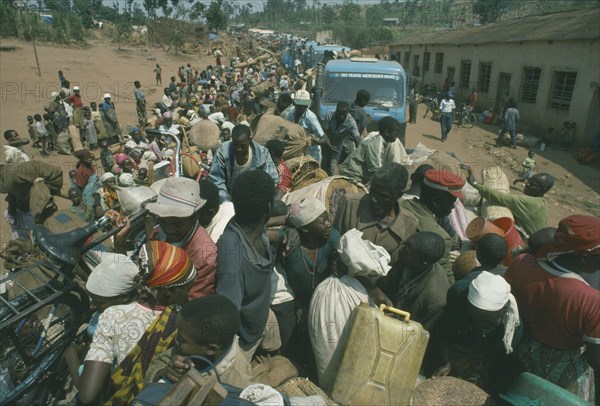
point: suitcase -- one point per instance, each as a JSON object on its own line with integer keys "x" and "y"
{"x": 380, "y": 359}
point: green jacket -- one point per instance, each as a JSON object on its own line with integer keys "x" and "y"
{"x": 427, "y": 222}
{"x": 530, "y": 212}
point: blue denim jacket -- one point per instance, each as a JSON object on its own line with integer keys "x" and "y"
{"x": 222, "y": 166}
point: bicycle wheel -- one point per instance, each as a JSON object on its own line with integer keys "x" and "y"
{"x": 466, "y": 121}
{"x": 31, "y": 346}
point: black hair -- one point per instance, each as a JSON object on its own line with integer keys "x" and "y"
{"x": 212, "y": 319}
{"x": 530, "y": 152}
{"x": 430, "y": 246}
{"x": 342, "y": 105}
{"x": 37, "y": 117}
{"x": 540, "y": 238}
{"x": 8, "y": 134}
{"x": 137, "y": 83}
{"x": 103, "y": 143}
{"x": 392, "y": 176}
{"x": 419, "y": 173}
{"x": 491, "y": 249}
{"x": 210, "y": 193}
{"x": 285, "y": 97}
{"x": 29, "y": 117}
{"x": 93, "y": 104}
{"x": 388, "y": 123}
{"x": 252, "y": 195}
{"x": 47, "y": 117}
{"x": 544, "y": 180}
{"x": 276, "y": 146}
{"x": 241, "y": 130}
{"x": 73, "y": 191}
{"x": 363, "y": 94}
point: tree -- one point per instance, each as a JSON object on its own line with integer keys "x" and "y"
{"x": 123, "y": 30}
{"x": 490, "y": 10}
{"x": 197, "y": 11}
{"x": 150, "y": 7}
{"x": 328, "y": 14}
{"x": 215, "y": 15}
{"x": 350, "y": 12}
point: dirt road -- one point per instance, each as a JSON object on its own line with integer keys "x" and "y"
{"x": 102, "y": 68}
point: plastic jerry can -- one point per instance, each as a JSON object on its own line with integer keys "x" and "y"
{"x": 380, "y": 359}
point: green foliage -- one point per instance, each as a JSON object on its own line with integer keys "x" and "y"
{"x": 216, "y": 18}
{"x": 197, "y": 11}
{"x": 360, "y": 36}
{"x": 490, "y": 10}
{"x": 350, "y": 12}
{"x": 8, "y": 21}
{"x": 328, "y": 14}
{"x": 177, "y": 41}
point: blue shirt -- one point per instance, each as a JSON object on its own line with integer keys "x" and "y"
{"x": 244, "y": 277}
{"x": 308, "y": 121}
{"x": 338, "y": 132}
{"x": 221, "y": 169}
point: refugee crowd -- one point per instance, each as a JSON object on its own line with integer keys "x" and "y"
{"x": 234, "y": 269}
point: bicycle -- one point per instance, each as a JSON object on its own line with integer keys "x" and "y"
{"x": 465, "y": 117}
{"x": 38, "y": 324}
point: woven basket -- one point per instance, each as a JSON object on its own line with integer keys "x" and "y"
{"x": 305, "y": 171}
{"x": 495, "y": 179}
{"x": 449, "y": 391}
{"x": 302, "y": 387}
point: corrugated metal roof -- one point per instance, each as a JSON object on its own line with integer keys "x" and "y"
{"x": 568, "y": 25}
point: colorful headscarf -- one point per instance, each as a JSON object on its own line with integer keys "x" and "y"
{"x": 577, "y": 234}
{"x": 164, "y": 265}
{"x": 120, "y": 157}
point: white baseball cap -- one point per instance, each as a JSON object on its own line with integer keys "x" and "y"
{"x": 302, "y": 97}
{"x": 107, "y": 96}
{"x": 54, "y": 95}
{"x": 75, "y": 88}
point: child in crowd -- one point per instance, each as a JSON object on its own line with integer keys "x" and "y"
{"x": 142, "y": 177}
{"x": 72, "y": 184}
{"x": 31, "y": 131}
{"x": 41, "y": 134}
{"x": 207, "y": 328}
{"x": 79, "y": 207}
{"x": 106, "y": 157}
{"x": 49, "y": 124}
{"x": 528, "y": 166}
{"x": 88, "y": 129}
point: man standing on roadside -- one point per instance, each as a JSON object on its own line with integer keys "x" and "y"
{"x": 509, "y": 124}
{"x": 140, "y": 103}
{"x": 358, "y": 112}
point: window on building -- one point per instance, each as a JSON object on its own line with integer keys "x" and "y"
{"x": 465, "y": 73}
{"x": 531, "y": 81}
{"x": 426, "y": 57}
{"x": 561, "y": 93}
{"x": 439, "y": 62}
{"x": 406, "y": 60}
{"x": 485, "y": 73}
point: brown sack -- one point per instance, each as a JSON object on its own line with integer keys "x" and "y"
{"x": 272, "y": 371}
{"x": 190, "y": 167}
{"x": 75, "y": 138}
{"x": 205, "y": 135}
{"x": 292, "y": 134}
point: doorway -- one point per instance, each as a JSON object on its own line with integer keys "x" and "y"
{"x": 450, "y": 74}
{"x": 592, "y": 129}
{"x": 503, "y": 88}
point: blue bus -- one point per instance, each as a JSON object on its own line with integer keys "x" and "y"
{"x": 386, "y": 81}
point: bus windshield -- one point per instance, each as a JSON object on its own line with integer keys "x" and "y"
{"x": 386, "y": 89}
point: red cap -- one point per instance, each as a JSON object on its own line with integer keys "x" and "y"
{"x": 578, "y": 234}
{"x": 440, "y": 179}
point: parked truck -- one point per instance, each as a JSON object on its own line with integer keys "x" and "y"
{"x": 386, "y": 81}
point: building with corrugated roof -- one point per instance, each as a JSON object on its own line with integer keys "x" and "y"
{"x": 549, "y": 64}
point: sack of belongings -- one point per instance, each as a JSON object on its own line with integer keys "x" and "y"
{"x": 205, "y": 135}
{"x": 294, "y": 136}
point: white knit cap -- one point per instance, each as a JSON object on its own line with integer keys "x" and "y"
{"x": 114, "y": 276}
{"x": 491, "y": 293}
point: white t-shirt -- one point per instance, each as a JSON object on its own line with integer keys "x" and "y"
{"x": 219, "y": 222}
{"x": 119, "y": 329}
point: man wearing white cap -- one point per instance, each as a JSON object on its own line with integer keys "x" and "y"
{"x": 300, "y": 114}
{"x": 478, "y": 332}
{"x": 178, "y": 211}
{"x": 109, "y": 118}
{"x": 77, "y": 104}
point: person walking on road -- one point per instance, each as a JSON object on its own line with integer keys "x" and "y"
{"x": 446, "y": 107}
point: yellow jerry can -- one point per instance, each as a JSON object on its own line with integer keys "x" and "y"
{"x": 380, "y": 359}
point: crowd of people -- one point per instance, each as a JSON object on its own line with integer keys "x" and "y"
{"x": 230, "y": 272}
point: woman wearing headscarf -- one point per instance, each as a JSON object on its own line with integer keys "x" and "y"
{"x": 307, "y": 265}
{"x": 128, "y": 336}
{"x": 561, "y": 309}
{"x": 478, "y": 332}
{"x": 86, "y": 178}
